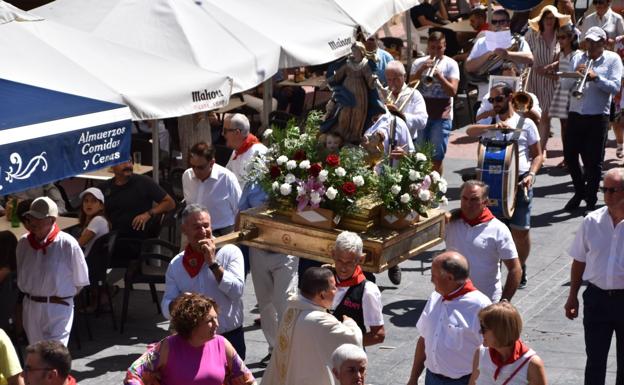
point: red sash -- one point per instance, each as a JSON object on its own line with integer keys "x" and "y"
{"x": 518, "y": 351}
{"x": 467, "y": 288}
{"x": 485, "y": 216}
{"x": 249, "y": 141}
{"x": 357, "y": 278}
{"x": 192, "y": 261}
{"x": 42, "y": 246}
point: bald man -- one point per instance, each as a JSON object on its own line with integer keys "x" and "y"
{"x": 449, "y": 324}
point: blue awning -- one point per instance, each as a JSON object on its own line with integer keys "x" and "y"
{"x": 47, "y": 135}
{"x": 519, "y": 5}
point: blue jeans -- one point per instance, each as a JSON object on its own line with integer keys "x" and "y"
{"x": 436, "y": 379}
{"x": 436, "y": 132}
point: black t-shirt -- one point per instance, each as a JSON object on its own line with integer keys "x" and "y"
{"x": 427, "y": 10}
{"x": 125, "y": 202}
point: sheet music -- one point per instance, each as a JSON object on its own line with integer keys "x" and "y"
{"x": 500, "y": 39}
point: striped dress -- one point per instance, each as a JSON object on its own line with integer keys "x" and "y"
{"x": 543, "y": 54}
{"x": 561, "y": 99}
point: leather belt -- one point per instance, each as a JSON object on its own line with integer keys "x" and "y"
{"x": 610, "y": 293}
{"x": 52, "y": 299}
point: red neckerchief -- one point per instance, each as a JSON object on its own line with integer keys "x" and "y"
{"x": 192, "y": 261}
{"x": 518, "y": 351}
{"x": 38, "y": 246}
{"x": 249, "y": 141}
{"x": 484, "y": 27}
{"x": 357, "y": 278}
{"x": 467, "y": 288}
{"x": 71, "y": 380}
{"x": 485, "y": 216}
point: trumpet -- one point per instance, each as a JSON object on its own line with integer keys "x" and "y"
{"x": 579, "y": 86}
{"x": 428, "y": 78}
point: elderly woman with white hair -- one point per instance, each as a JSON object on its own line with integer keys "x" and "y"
{"x": 356, "y": 297}
{"x": 349, "y": 364}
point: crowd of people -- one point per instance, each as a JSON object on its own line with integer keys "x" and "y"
{"x": 317, "y": 319}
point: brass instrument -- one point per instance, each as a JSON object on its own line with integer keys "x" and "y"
{"x": 428, "y": 78}
{"x": 494, "y": 61}
{"x": 521, "y": 101}
{"x": 579, "y": 86}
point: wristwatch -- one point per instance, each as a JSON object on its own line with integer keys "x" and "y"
{"x": 533, "y": 176}
{"x": 214, "y": 266}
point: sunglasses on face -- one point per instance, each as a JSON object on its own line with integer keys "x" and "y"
{"x": 611, "y": 190}
{"x": 500, "y": 22}
{"x": 599, "y": 2}
{"x": 497, "y": 99}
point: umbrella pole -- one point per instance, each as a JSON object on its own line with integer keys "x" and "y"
{"x": 410, "y": 43}
{"x": 489, "y": 12}
{"x": 155, "y": 150}
{"x": 267, "y": 98}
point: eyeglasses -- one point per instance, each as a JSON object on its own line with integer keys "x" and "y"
{"x": 600, "y": 1}
{"x": 225, "y": 130}
{"x": 200, "y": 168}
{"x": 611, "y": 190}
{"x": 500, "y": 21}
{"x": 497, "y": 99}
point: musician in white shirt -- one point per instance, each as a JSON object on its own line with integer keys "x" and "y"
{"x": 407, "y": 99}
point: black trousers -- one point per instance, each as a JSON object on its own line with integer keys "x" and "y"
{"x": 586, "y": 135}
{"x": 603, "y": 314}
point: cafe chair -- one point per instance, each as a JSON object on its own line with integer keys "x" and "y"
{"x": 98, "y": 261}
{"x": 150, "y": 269}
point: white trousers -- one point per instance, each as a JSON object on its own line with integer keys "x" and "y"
{"x": 47, "y": 321}
{"x": 275, "y": 279}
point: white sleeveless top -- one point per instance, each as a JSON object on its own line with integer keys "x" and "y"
{"x": 487, "y": 369}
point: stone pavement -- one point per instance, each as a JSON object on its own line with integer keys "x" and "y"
{"x": 557, "y": 340}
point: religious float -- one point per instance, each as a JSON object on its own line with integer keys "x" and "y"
{"x": 316, "y": 190}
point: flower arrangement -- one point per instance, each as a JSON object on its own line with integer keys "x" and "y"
{"x": 297, "y": 173}
{"x": 412, "y": 186}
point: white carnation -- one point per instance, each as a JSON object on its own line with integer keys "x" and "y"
{"x": 444, "y": 201}
{"x": 414, "y": 175}
{"x": 285, "y": 189}
{"x": 304, "y": 165}
{"x": 323, "y": 175}
{"x": 289, "y": 178}
{"x": 315, "y": 197}
{"x": 358, "y": 180}
{"x": 282, "y": 159}
{"x": 341, "y": 172}
{"x": 331, "y": 193}
{"x": 301, "y": 190}
{"x": 435, "y": 176}
{"x": 424, "y": 195}
{"x": 275, "y": 186}
{"x": 303, "y": 136}
{"x": 421, "y": 157}
{"x": 405, "y": 198}
{"x": 291, "y": 164}
{"x": 395, "y": 189}
{"x": 267, "y": 133}
{"x": 442, "y": 186}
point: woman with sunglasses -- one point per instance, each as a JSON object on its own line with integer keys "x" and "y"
{"x": 504, "y": 358}
{"x": 568, "y": 43}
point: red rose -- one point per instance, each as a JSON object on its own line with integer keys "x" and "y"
{"x": 275, "y": 172}
{"x": 299, "y": 155}
{"x": 315, "y": 170}
{"x": 332, "y": 160}
{"x": 348, "y": 188}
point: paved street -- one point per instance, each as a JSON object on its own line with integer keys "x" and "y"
{"x": 557, "y": 340}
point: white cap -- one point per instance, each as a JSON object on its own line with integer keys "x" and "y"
{"x": 595, "y": 34}
{"x": 96, "y": 192}
{"x": 43, "y": 207}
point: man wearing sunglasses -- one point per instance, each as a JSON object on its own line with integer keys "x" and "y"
{"x": 480, "y": 55}
{"x": 236, "y": 131}
{"x": 530, "y": 159}
{"x": 588, "y": 118}
{"x": 48, "y": 363}
{"x": 597, "y": 252}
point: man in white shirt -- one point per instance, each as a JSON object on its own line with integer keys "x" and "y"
{"x": 408, "y": 100}
{"x": 212, "y": 186}
{"x": 597, "y": 253}
{"x": 51, "y": 270}
{"x": 485, "y": 241}
{"x": 244, "y": 143}
{"x": 438, "y": 86}
{"x": 449, "y": 325}
{"x": 530, "y": 160}
{"x": 604, "y": 17}
{"x": 216, "y": 274}
{"x": 356, "y": 297}
{"x": 308, "y": 334}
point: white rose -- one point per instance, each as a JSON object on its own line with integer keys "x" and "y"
{"x": 405, "y": 198}
{"x": 282, "y": 159}
{"x": 275, "y": 186}
{"x": 414, "y": 175}
{"x": 331, "y": 193}
{"x": 341, "y": 172}
{"x": 291, "y": 164}
{"x": 358, "y": 180}
{"x": 395, "y": 189}
{"x": 267, "y": 133}
{"x": 421, "y": 157}
{"x": 424, "y": 195}
{"x": 304, "y": 165}
{"x": 315, "y": 197}
{"x": 285, "y": 189}
{"x": 323, "y": 175}
{"x": 444, "y": 201}
{"x": 290, "y": 178}
{"x": 435, "y": 176}
{"x": 442, "y": 186}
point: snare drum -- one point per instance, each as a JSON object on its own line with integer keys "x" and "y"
{"x": 498, "y": 168}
